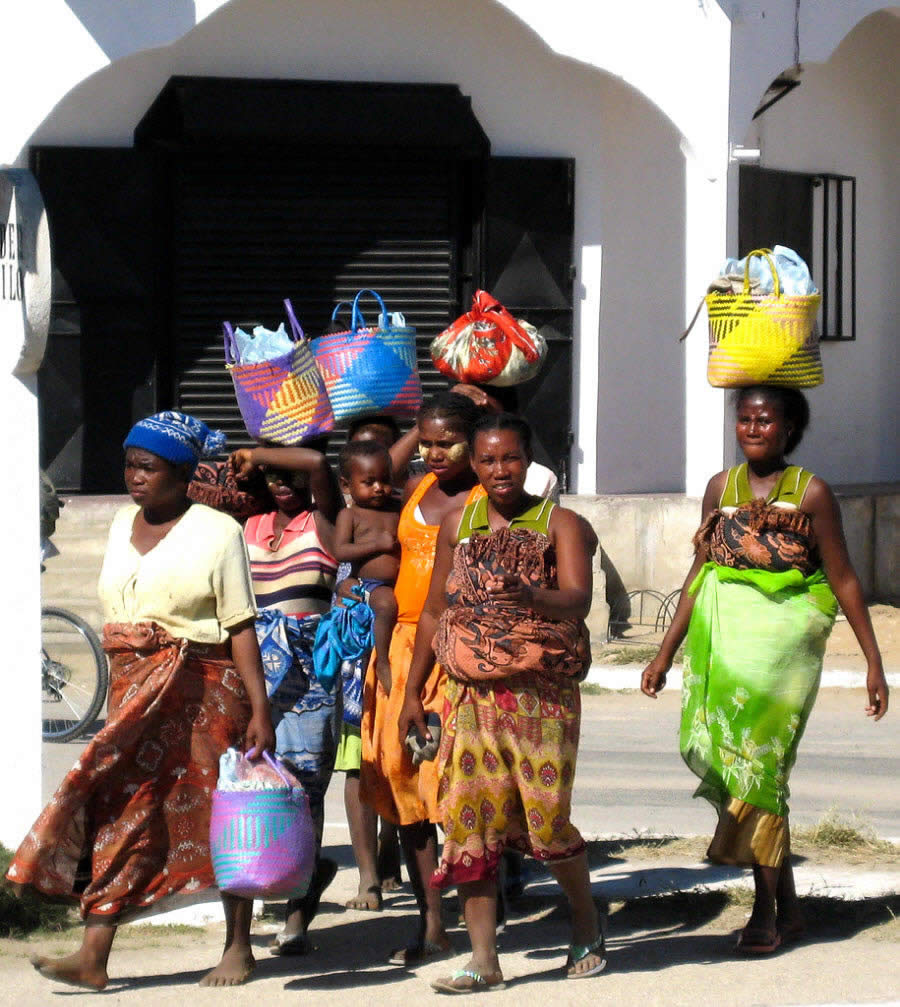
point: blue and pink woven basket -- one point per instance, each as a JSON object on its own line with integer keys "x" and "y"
{"x": 262, "y": 842}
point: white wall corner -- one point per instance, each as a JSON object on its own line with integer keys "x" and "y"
{"x": 586, "y": 366}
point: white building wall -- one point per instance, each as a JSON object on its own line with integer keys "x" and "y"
{"x": 843, "y": 118}
{"x": 630, "y": 185}
{"x": 640, "y": 205}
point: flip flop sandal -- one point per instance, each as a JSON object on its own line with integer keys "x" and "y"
{"x": 578, "y": 952}
{"x": 416, "y": 954}
{"x": 756, "y": 941}
{"x": 294, "y": 944}
{"x": 469, "y": 981}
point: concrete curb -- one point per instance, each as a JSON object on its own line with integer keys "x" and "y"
{"x": 624, "y": 677}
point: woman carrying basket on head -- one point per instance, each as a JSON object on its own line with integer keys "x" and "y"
{"x": 293, "y": 575}
{"x": 758, "y": 604}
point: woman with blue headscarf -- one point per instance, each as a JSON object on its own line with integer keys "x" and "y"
{"x": 129, "y": 825}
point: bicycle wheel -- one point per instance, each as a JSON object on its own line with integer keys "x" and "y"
{"x": 74, "y": 675}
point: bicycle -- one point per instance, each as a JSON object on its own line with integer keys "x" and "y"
{"x": 74, "y": 675}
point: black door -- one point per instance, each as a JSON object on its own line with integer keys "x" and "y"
{"x": 98, "y": 373}
{"x": 529, "y": 223}
{"x": 248, "y": 233}
{"x": 154, "y": 247}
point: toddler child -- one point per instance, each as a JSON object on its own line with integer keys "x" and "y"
{"x": 366, "y": 537}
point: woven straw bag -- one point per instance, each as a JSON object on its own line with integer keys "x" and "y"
{"x": 282, "y": 400}
{"x": 763, "y": 339}
{"x": 370, "y": 369}
{"x": 262, "y": 842}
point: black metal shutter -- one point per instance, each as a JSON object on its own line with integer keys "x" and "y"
{"x": 529, "y": 227}
{"x": 98, "y": 374}
{"x": 775, "y": 208}
{"x": 251, "y": 228}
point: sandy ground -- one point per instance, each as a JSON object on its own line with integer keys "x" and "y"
{"x": 843, "y": 650}
{"x": 675, "y": 948}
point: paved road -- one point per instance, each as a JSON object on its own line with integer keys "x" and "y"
{"x": 631, "y": 779}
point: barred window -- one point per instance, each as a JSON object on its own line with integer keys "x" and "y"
{"x": 815, "y": 214}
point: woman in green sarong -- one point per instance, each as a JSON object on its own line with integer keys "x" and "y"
{"x": 758, "y": 604}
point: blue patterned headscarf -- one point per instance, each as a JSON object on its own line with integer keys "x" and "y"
{"x": 177, "y": 437}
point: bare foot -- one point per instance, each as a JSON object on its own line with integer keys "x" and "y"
{"x": 236, "y": 967}
{"x": 72, "y": 971}
{"x": 367, "y": 899}
{"x": 388, "y": 861}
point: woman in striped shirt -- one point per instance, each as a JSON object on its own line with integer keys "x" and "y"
{"x": 293, "y": 573}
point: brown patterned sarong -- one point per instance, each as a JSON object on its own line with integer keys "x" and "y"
{"x": 131, "y": 818}
{"x": 512, "y": 715}
{"x": 478, "y": 640}
{"x": 760, "y": 536}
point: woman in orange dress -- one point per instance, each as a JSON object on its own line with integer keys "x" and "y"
{"x": 398, "y": 790}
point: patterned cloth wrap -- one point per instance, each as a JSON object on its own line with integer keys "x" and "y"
{"x": 759, "y": 536}
{"x": 762, "y": 614}
{"x": 344, "y": 640}
{"x": 511, "y": 717}
{"x": 216, "y": 485}
{"x": 129, "y": 824}
{"x": 179, "y": 438}
{"x": 479, "y": 641}
{"x": 305, "y": 711}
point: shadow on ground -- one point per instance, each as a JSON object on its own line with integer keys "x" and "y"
{"x": 645, "y": 934}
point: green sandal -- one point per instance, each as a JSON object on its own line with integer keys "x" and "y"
{"x": 578, "y": 952}
{"x": 469, "y": 981}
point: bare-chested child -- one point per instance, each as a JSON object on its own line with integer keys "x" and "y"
{"x": 366, "y": 537}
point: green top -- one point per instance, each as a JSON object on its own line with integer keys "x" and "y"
{"x": 790, "y": 487}
{"x": 474, "y": 520}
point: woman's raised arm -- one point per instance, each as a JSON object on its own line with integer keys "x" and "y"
{"x": 322, "y": 483}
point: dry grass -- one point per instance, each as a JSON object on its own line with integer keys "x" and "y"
{"x": 20, "y": 917}
{"x": 646, "y": 848}
{"x": 620, "y": 652}
{"x": 845, "y": 836}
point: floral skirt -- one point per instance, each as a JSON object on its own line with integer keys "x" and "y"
{"x": 129, "y": 824}
{"x": 752, "y": 664}
{"x": 506, "y": 767}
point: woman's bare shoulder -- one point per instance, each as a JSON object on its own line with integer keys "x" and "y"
{"x": 569, "y": 523}
{"x": 411, "y": 483}
{"x": 450, "y": 522}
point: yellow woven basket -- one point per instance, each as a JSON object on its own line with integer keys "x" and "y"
{"x": 763, "y": 339}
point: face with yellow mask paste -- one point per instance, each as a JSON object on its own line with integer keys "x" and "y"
{"x": 443, "y": 448}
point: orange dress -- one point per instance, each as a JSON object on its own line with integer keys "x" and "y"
{"x": 397, "y": 790}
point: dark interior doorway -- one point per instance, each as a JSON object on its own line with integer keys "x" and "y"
{"x": 239, "y": 193}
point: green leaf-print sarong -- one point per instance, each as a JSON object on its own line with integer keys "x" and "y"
{"x": 751, "y": 672}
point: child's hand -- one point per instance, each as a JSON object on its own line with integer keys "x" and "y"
{"x": 384, "y": 541}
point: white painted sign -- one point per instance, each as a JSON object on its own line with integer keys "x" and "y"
{"x": 25, "y": 273}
